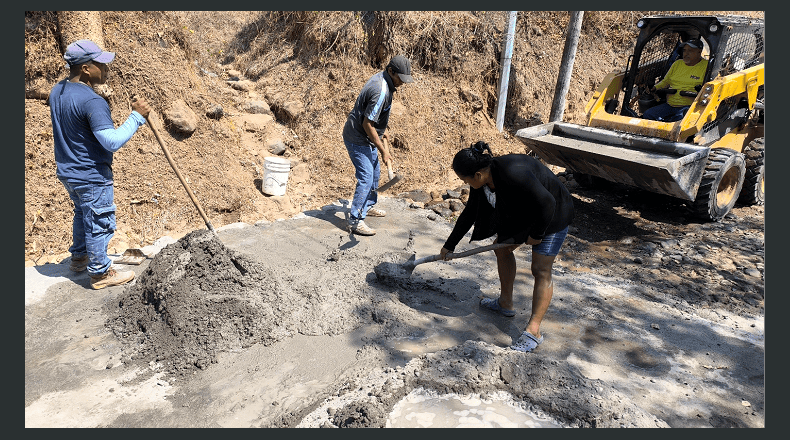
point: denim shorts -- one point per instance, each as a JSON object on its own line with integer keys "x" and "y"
{"x": 551, "y": 244}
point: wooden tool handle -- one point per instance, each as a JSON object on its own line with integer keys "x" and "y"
{"x": 390, "y": 173}
{"x": 178, "y": 174}
{"x": 452, "y": 256}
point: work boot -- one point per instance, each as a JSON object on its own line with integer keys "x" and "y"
{"x": 111, "y": 278}
{"x": 78, "y": 264}
{"x": 362, "y": 229}
{"x": 375, "y": 212}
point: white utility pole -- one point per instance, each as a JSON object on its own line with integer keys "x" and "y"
{"x": 507, "y": 54}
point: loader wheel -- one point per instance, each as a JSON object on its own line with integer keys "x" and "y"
{"x": 753, "y": 192}
{"x": 721, "y": 183}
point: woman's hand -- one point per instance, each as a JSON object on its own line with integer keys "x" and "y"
{"x": 533, "y": 241}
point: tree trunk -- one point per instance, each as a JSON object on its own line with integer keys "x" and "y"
{"x": 78, "y": 25}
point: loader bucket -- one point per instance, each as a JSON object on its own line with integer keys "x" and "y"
{"x": 653, "y": 164}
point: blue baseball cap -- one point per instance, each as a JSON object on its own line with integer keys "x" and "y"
{"x": 82, "y": 51}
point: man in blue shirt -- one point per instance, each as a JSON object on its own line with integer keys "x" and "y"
{"x": 85, "y": 140}
{"x": 365, "y": 133}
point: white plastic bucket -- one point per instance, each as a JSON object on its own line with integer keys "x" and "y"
{"x": 275, "y": 175}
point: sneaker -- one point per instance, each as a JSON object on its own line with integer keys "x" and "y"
{"x": 111, "y": 278}
{"x": 78, "y": 264}
{"x": 362, "y": 229}
{"x": 375, "y": 212}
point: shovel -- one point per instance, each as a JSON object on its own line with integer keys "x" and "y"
{"x": 392, "y": 271}
{"x": 178, "y": 174}
{"x": 131, "y": 256}
{"x": 394, "y": 178}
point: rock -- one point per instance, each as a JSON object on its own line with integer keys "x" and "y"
{"x": 668, "y": 244}
{"x": 453, "y": 194}
{"x": 456, "y": 206}
{"x": 242, "y": 85}
{"x": 752, "y": 272}
{"x": 234, "y": 74}
{"x": 293, "y": 109}
{"x": 255, "y": 122}
{"x": 655, "y": 326}
{"x": 181, "y": 117}
{"x": 432, "y": 216}
{"x": 418, "y": 195}
{"x": 256, "y": 107}
{"x": 417, "y": 205}
{"x": 215, "y": 111}
{"x": 436, "y": 195}
{"x": 276, "y": 147}
{"x": 442, "y": 210}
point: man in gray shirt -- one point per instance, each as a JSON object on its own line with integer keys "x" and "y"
{"x": 365, "y": 135}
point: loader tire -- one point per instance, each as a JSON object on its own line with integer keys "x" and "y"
{"x": 721, "y": 183}
{"x": 753, "y": 191}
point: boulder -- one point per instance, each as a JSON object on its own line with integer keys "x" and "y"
{"x": 181, "y": 117}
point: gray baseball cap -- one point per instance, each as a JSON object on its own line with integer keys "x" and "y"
{"x": 402, "y": 66}
{"x": 82, "y": 51}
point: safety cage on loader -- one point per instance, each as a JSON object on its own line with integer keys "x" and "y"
{"x": 732, "y": 44}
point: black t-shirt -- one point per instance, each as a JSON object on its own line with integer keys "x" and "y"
{"x": 530, "y": 201}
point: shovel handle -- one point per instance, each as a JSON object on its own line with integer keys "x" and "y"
{"x": 178, "y": 174}
{"x": 390, "y": 173}
{"x": 453, "y": 256}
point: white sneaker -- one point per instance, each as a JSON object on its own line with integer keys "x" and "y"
{"x": 375, "y": 212}
{"x": 362, "y": 229}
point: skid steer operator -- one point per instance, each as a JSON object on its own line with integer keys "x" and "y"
{"x": 684, "y": 75}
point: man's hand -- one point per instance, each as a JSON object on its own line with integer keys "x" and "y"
{"x": 443, "y": 253}
{"x": 140, "y": 106}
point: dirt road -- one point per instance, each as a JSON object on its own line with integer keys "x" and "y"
{"x": 285, "y": 324}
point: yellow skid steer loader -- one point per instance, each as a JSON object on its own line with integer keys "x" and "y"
{"x": 710, "y": 158}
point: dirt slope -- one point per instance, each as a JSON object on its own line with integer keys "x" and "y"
{"x": 319, "y": 60}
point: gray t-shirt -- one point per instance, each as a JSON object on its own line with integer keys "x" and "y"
{"x": 374, "y": 102}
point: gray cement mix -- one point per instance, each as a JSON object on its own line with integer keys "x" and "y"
{"x": 286, "y": 324}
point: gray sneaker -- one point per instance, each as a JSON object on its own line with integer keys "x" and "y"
{"x": 111, "y": 278}
{"x": 362, "y": 229}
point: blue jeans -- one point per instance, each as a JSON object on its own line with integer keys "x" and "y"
{"x": 94, "y": 222}
{"x": 665, "y": 113}
{"x": 551, "y": 244}
{"x": 366, "y": 162}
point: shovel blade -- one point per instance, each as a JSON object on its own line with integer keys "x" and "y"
{"x": 131, "y": 256}
{"x": 389, "y": 184}
{"x": 390, "y": 271}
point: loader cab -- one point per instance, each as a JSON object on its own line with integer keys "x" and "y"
{"x": 658, "y": 46}
{"x": 733, "y": 45}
